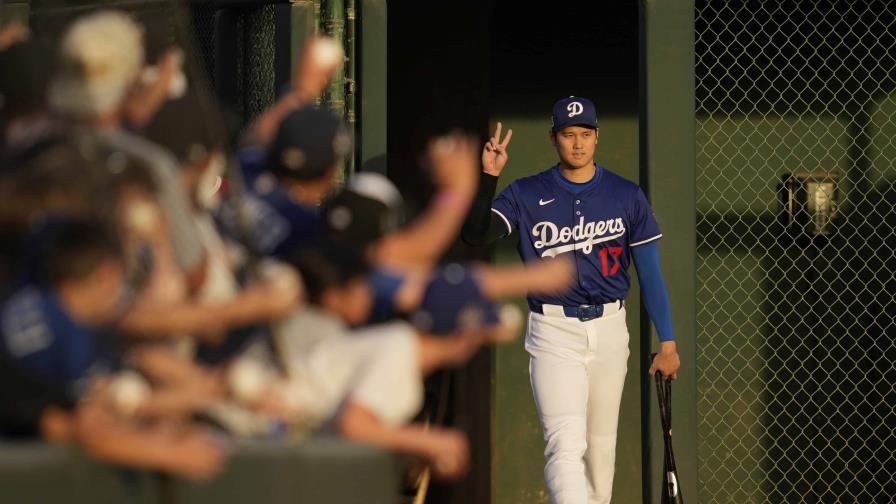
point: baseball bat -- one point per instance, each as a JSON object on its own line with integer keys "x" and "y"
{"x": 671, "y": 491}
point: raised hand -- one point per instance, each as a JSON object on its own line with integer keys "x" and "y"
{"x": 494, "y": 154}
{"x": 452, "y": 159}
{"x": 197, "y": 456}
{"x": 322, "y": 57}
{"x": 449, "y": 453}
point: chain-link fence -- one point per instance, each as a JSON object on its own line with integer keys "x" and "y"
{"x": 796, "y": 162}
{"x": 249, "y": 47}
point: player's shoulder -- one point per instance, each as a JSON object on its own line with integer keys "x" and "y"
{"x": 26, "y": 322}
{"x": 622, "y": 189}
{"x": 618, "y": 182}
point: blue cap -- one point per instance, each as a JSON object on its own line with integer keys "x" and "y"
{"x": 309, "y": 142}
{"x": 453, "y": 301}
{"x": 573, "y": 111}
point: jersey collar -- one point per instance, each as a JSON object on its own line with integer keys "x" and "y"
{"x": 589, "y": 186}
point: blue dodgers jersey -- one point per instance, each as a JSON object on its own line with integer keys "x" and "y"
{"x": 598, "y": 224}
{"x": 277, "y": 223}
{"x": 385, "y": 285}
{"x": 43, "y": 339}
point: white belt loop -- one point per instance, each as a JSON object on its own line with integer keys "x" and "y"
{"x": 552, "y": 310}
{"x": 611, "y": 308}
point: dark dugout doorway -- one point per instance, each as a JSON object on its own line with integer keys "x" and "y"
{"x": 465, "y": 64}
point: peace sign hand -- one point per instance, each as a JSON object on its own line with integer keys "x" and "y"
{"x": 494, "y": 154}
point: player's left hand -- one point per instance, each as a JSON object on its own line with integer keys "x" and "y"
{"x": 322, "y": 58}
{"x": 452, "y": 159}
{"x": 666, "y": 361}
{"x": 494, "y": 154}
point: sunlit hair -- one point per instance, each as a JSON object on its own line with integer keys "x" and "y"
{"x": 101, "y": 55}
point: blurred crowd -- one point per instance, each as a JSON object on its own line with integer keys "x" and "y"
{"x": 166, "y": 290}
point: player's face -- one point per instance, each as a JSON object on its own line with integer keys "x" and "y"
{"x": 312, "y": 192}
{"x": 576, "y": 146}
{"x": 105, "y": 288}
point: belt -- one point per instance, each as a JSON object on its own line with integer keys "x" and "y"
{"x": 583, "y": 313}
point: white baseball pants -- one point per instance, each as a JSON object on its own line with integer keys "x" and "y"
{"x": 577, "y": 370}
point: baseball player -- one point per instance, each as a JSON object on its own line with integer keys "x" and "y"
{"x": 578, "y": 340}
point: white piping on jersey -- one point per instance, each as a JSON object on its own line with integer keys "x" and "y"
{"x": 587, "y": 245}
{"x": 509, "y": 229}
{"x": 642, "y": 242}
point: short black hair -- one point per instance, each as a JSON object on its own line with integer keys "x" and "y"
{"x": 60, "y": 173}
{"x": 355, "y": 220}
{"x": 325, "y": 264}
{"x": 73, "y": 249}
{"x": 26, "y": 67}
{"x": 190, "y": 127}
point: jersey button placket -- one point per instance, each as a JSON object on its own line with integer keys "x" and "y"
{"x": 579, "y": 257}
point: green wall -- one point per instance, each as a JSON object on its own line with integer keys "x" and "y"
{"x": 883, "y": 141}
{"x": 740, "y": 161}
{"x": 518, "y": 459}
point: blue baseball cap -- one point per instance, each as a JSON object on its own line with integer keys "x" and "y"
{"x": 573, "y": 111}
{"x": 453, "y": 301}
{"x": 309, "y": 142}
{"x": 368, "y": 208}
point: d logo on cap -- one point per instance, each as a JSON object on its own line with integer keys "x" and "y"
{"x": 573, "y": 111}
{"x": 575, "y": 108}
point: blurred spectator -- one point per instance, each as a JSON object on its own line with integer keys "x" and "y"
{"x": 228, "y": 296}
{"x": 23, "y": 108}
{"x": 366, "y": 215}
{"x": 289, "y": 158}
{"x": 52, "y": 340}
{"x": 453, "y": 162}
{"x": 101, "y": 59}
{"x": 50, "y": 325}
{"x": 57, "y": 176}
{"x": 369, "y": 380}
{"x": 29, "y": 404}
{"x": 31, "y": 407}
{"x": 108, "y": 234}
{"x": 289, "y": 180}
{"x": 102, "y": 77}
{"x": 320, "y": 60}
{"x": 101, "y": 56}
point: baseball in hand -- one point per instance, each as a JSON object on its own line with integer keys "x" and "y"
{"x": 247, "y": 379}
{"x": 511, "y": 321}
{"x": 327, "y": 52}
{"x": 129, "y": 392}
{"x": 511, "y": 317}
